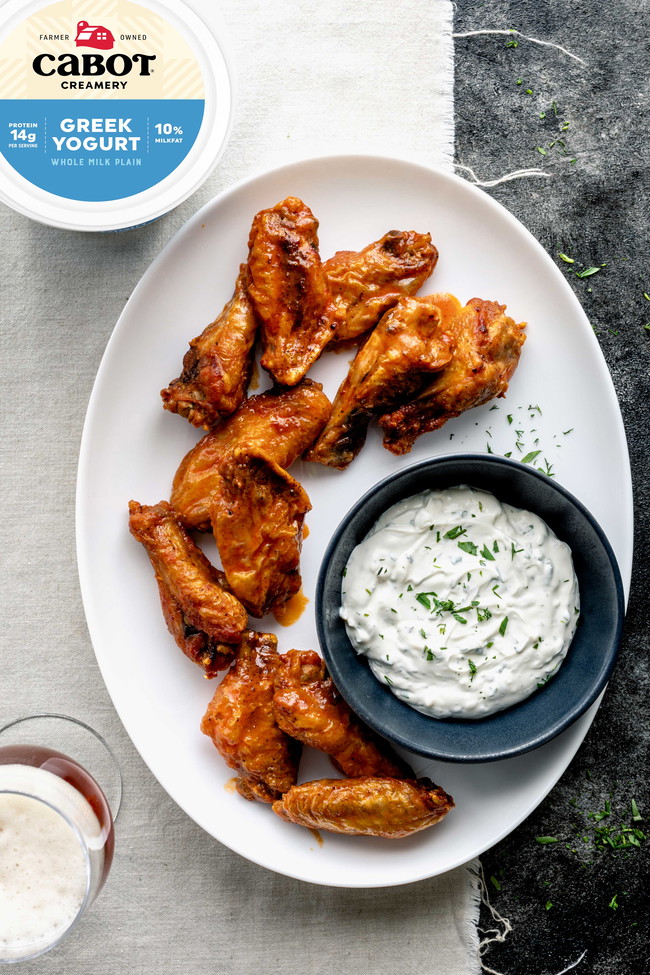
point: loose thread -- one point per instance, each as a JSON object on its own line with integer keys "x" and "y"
{"x": 517, "y": 174}
{"x": 574, "y": 964}
{"x": 533, "y": 40}
{"x": 493, "y": 935}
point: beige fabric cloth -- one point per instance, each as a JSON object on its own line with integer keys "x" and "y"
{"x": 313, "y": 77}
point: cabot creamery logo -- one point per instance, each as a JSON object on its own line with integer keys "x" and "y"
{"x": 98, "y": 37}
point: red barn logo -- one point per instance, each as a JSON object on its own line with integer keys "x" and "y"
{"x": 97, "y": 37}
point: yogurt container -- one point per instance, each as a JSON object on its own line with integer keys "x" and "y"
{"x": 112, "y": 112}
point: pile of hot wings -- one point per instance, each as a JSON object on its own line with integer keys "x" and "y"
{"x": 420, "y": 362}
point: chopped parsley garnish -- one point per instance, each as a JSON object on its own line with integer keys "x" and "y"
{"x": 530, "y": 456}
{"x": 504, "y": 626}
{"x": 514, "y": 551}
{"x": 544, "y": 840}
{"x": 636, "y": 815}
{"x": 472, "y": 669}
{"x": 455, "y": 532}
{"x": 468, "y": 547}
{"x": 587, "y": 272}
{"x": 544, "y": 680}
{"x": 487, "y": 554}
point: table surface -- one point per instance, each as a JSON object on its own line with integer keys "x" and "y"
{"x": 559, "y": 896}
{"x": 510, "y": 100}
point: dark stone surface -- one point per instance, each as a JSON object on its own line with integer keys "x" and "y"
{"x": 595, "y": 210}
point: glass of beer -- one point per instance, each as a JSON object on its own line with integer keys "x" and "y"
{"x": 60, "y": 793}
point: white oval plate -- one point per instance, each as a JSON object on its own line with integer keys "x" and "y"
{"x": 131, "y": 449}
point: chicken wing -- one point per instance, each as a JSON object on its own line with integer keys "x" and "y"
{"x": 217, "y": 368}
{"x": 394, "y": 363}
{"x": 281, "y": 422}
{"x": 365, "y": 284}
{"x": 308, "y": 707}
{"x": 209, "y": 654}
{"x": 257, "y": 513}
{"x": 487, "y": 349}
{"x": 365, "y": 806}
{"x": 192, "y": 598}
{"x": 241, "y": 723}
{"x": 289, "y": 289}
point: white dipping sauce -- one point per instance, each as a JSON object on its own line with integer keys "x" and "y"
{"x": 463, "y": 605}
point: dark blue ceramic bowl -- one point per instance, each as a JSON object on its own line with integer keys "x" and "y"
{"x": 589, "y": 661}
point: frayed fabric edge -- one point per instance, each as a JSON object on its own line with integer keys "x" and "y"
{"x": 446, "y": 89}
{"x": 491, "y": 935}
{"x": 473, "y": 917}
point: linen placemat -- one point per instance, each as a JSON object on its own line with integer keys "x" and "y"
{"x": 311, "y": 78}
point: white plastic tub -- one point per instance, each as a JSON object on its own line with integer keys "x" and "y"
{"x": 110, "y": 123}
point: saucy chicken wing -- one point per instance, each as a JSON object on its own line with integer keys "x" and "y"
{"x": 217, "y": 368}
{"x": 199, "y": 613}
{"x": 289, "y": 289}
{"x": 308, "y": 707}
{"x": 241, "y": 723}
{"x": 393, "y": 364}
{"x": 365, "y": 806}
{"x": 281, "y": 422}
{"x": 487, "y": 346}
{"x": 208, "y": 653}
{"x": 365, "y": 284}
{"x": 257, "y": 513}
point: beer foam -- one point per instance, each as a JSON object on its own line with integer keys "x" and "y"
{"x": 44, "y": 868}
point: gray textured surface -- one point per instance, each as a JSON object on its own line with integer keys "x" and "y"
{"x": 596, "y": 211}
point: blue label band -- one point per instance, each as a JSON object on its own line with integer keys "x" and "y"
{"x": 101, "y": 150}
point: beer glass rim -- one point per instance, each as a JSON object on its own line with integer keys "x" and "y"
{"x": 114, "y": 802}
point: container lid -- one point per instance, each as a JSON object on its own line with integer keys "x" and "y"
{"x": 111, "y": 113}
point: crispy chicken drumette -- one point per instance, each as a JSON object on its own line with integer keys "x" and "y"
{"x": 281, "y": 422}
{"x": 487, "y": 346}
{"x": 257, "y": 514}
{"x": 393, "y": 364}
{"x": 241, "y": 722}
{"x": 217, "y": 368}
{"x": 366, "y": 283}
{"x": 203, "y": 618}
{"x": 289, "y": 289}
{"x": 366, "y": 806}
{"x": 308, "y": 707}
